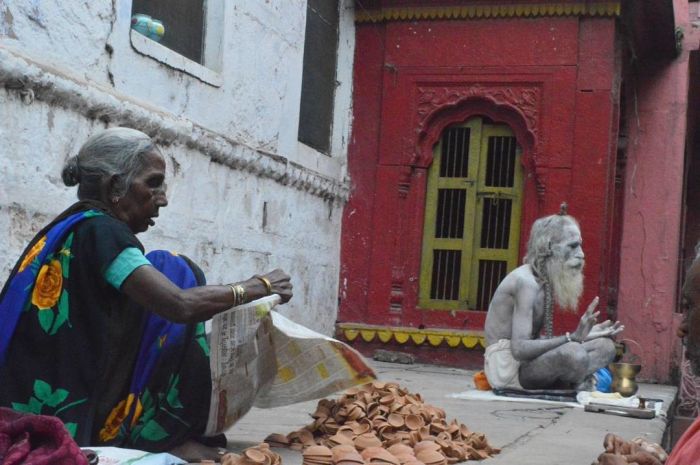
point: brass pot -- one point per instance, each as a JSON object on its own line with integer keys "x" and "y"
{"x": 624, "y": 380}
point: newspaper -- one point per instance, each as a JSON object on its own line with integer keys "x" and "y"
{"x": 259, "y": 357}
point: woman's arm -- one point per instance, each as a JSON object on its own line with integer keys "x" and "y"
{"x": 151, "y": 289}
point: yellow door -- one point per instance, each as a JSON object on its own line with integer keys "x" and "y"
{"x": 472, "y": 216}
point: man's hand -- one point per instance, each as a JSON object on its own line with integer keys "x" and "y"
{"x": 605, "y": 329}
{"x": 587, "y": 322}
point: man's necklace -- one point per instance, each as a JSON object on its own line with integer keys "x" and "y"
{"x": 548, "y": 310}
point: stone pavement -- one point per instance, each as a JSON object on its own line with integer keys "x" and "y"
{"x": 527, "y": 433}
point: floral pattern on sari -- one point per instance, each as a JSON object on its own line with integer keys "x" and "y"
{"x": 49, "y": 296}
{"x": 45, "y": 396}
{"x": 32, "y": 254}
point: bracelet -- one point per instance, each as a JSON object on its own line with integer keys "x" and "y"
{"x": 235, "y": 294}
{"x": 266, "y": 282}
{"x": 568, "y": 337}
{"x": 239, "y": 294}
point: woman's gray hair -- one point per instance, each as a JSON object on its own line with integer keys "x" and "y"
{"x": 112, "y": 152}
{"x": 545, "y": 232}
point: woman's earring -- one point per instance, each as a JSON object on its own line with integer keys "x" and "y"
{"x": 115, "y": 200}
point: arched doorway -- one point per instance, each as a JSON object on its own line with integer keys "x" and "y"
{"x": 473, "y": 208}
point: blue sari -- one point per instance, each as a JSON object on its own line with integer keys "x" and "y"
{"x": 74, "y": 347}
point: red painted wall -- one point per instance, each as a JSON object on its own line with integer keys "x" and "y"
{"x": 553, "y": 80}
{"x": 650, "y": 253}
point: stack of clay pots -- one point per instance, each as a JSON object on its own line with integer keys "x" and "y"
{"x": 258, "y": 455}
{"x": 384, "y": 424}
{"x": 317, "y": 455}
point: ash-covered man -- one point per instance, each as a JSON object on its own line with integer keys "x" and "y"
{"x": 518, "y": 356}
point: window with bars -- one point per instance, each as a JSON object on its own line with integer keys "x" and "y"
{"x": 472, "y": 216}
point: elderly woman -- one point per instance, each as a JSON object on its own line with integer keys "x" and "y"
{"x": 96, "y": 333}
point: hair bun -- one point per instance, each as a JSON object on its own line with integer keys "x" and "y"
{"x": 71, "y": 172}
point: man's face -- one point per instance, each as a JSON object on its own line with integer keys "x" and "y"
{"x": 565, "y": 268}
{"x": 568, "y": 249}
{"x": 690, "y": 301}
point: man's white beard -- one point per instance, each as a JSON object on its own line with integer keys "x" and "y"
{"x": 567, "y": 283}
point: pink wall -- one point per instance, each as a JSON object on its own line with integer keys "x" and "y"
{"x": 656, "y": 119}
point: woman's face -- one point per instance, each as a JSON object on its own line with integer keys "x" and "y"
{"x": 146, "y": 195}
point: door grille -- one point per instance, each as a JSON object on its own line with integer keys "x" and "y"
{"x": 495, "y": 223}
{"x": 449, "y": 221}
{"x": 500, "y": 163}
{"x": 491, "y": 272}
{"x": 455, "y": 153}
{"x": 447, "y": 267}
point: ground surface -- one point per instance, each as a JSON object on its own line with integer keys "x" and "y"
{"x": 527, "y": 433}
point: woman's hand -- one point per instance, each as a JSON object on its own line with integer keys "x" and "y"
{"x": 587, "y": 322}
{"x": 281, "y": 284}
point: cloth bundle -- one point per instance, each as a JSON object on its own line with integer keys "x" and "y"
{"x": 36, "y": 439}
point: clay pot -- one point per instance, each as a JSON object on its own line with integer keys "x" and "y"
{"x": 400, "y": 449}
{"x": 230, "y": 459}
{"x": 395, "y": 420}
{"x": 277, "y": 440}
{"x": 431, "y": 457}
{"x": 341, "y": 439}
{"x": 362, "y": 426}
{"x": 426, "y": 445}
{"x": 413, "y": 422}
{"x": 256, "y": 456}
{"x": 366, "y": 440}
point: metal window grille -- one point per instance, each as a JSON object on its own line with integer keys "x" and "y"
{"x": 454, "y": 161}
{"x": 500, "y": 163}
{"x": 449, "y": 221}
{"x": 495, "y": 223}
{"x": 491, "y": 273}
{"x": 446, "y": 272}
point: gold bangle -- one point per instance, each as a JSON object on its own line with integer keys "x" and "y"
{"x": 241, "y": 293}
{"x": 266, "y": 282}
{"x": 235, "y": 294}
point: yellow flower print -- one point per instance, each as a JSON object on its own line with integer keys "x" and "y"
{"x": 138, "y": 410}
{"x": 48, "y": 285}
{"x": 32, "y": 254}
{"x": 116, "y": 417}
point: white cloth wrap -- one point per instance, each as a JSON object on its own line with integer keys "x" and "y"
{"x": 500, "y": 367}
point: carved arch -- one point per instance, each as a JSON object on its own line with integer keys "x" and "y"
{"x": 516, "y": 106}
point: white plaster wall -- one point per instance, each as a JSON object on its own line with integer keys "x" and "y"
{"x": 248, "y": 125}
